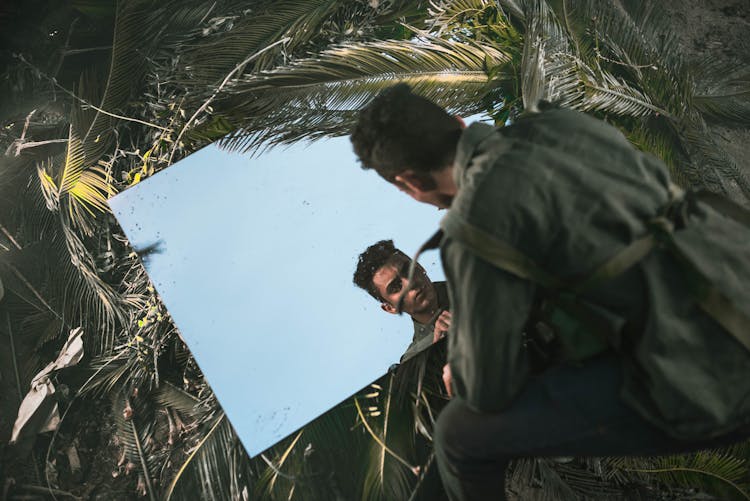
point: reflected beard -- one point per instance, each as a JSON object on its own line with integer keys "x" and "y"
{"x": 430, "y": 307}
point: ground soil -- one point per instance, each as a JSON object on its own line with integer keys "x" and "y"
{"x": 717, "y": 30}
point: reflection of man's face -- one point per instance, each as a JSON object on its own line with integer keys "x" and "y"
{"x": 391, "y": 278}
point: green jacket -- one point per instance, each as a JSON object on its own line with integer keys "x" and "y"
{"x": 423, "y": 333}
{"x": 566, "y": 192}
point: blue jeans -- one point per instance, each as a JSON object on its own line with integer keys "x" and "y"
{"x": 565, "y": 411}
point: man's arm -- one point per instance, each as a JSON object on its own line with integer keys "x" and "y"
{"x": 487, "y": 359}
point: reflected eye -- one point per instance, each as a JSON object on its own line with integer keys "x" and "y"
{"x": 395, "y": 286}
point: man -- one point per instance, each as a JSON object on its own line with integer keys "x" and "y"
{"x": 560, "y": 209}
{"x": 381, "y": 271}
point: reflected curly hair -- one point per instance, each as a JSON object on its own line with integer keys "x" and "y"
{"x": 399, "y": 130}
{"x": 371, "y": 260}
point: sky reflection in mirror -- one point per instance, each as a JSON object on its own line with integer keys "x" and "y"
{"x": 254, "y": 256}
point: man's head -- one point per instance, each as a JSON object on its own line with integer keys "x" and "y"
{"x": 382, "y": 271}
{"x": 410, "y": 141}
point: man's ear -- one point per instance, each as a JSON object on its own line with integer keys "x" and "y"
{"x": 410, "y": 182}
{"x": 460, "y": 120}
{"x": 387, "y": 307}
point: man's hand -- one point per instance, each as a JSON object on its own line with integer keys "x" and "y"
{"x": 442, "y": 324}
{"x": 448, "y": 380}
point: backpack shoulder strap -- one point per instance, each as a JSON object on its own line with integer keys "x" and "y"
{"x": 496, "y": 252}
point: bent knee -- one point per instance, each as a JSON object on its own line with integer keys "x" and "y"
{"x": 457, "y": 436}
{"x": 462, "y": 442}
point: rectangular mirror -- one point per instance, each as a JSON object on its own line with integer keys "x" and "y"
{"x": 254, "y": 257}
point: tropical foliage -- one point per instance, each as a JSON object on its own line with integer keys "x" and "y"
{"x": 125, "y": 89}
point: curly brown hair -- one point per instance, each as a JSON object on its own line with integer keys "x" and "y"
{"x": 371, "y": 260}
{"x": 399, "y": 130}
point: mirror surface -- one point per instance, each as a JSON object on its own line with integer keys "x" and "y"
{"x": 254, "y": 256}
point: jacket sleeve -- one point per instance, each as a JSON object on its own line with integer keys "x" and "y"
{"x": 488, "y": 361}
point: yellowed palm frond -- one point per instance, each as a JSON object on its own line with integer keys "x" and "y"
{"x": 92, "y": 190}
{"x": 49, "y": 188}
{"x": 75, "y": 163}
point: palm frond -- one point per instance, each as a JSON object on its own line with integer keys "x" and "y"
{"x": 545, "y": 479}
{"x": 556, "y": 70}
{"x": 606, "y": 93}
{"x": 50, "y": 191}
{"x": 108, "y": 372}
{"x": 516, "y": 8}
{"x": 97, "y": 295}
{"x": 573, "y": 18}
{"x": 587, "y": 478}
{"x": 135, "y": 425}
{"x": 282, "y": 470}
{"x": 446, "y": 13}
{"x": 635, "y": 39}
{"x": 321, "y": 95}
{"x": 722, "y": 92}
{"x": 552, "y": 483}
{"x": 316, "y": 468}
{"x": 544, "y": 42}
{"x": 391, "y": 473}
{"x": 709, "y": 165}
{"x": 210, "y": 471}
{"x": 715, "y": 471}
{"x": 169, "y": 395}
{"x": 210, "y": 59}
{"x": 172, "y": 23}
{"x": 83, "y": 190}
{"x": 125, "y": 70}
{"x": 657, "y": 137}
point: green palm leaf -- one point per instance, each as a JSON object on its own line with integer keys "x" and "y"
{"x": 391, "y": 473}
{"x": 84, "y": 190}
{"x": 635, "y": 40}
{"x": 135, "y": 425}
{"x": 169, "y": 395}
{"x": 446, "y": 13}
{"x": 715, "y": 471}
{"x": 605, "y": 92}
{"x": 210, "y": 59}
{"x": 99, "y": 297}
{"x": 212, "y": 471}
{"x": 78, "y": 192}
{"x": 125, "y": 71}
{"x": 544, "y": 43}
{"x": 320, "y": 96}
{"x": 709, "y": 165}
{"x": 723, "y": 94}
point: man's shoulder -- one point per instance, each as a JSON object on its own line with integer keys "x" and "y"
{"x": 564, "y": 126}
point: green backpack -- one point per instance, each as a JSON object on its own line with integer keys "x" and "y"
{"x": 585, "y": 329}
{"x": 573, "y": 318}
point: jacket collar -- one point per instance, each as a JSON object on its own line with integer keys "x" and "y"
{"x": 468, "y": 143}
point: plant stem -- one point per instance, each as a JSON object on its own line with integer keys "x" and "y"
{"x": 10, "y": 237}
{"x": 13, "y": 357}
{"x": 47, "y": 490}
